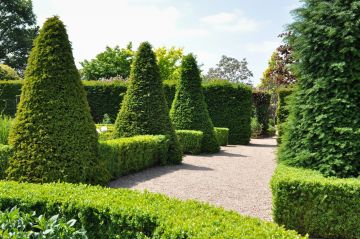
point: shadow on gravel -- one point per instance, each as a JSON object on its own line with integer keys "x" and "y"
{"x": 223, "y": 153}
{"x": 262, "y": 145}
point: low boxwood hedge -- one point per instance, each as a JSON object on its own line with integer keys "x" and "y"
{"x": 5, "y": 153}
{"x": 126, "y": 155}
{"x": 307, "y": 202}
{"x": 190, "y": 140}
{"x": 123, "y": 213}
{"x": 222, "y": 135}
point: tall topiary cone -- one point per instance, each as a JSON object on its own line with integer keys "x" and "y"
{"x": 144, "y": 109}
{"x": 189, "y": 110}
{"x": 53, "y": 136}
{"x": 323, "y": 129}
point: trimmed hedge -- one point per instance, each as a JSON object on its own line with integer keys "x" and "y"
{"x": 282, "y": 110}
{"x": 222, "y": 135}
{"x": 8, "y": 73}
{"x": 308, "y": 202}
{"x": 5, "y": 153}
{"x": 126, "y": 155}
{"x": 190, "y": 140}
{"x": 261, "y": 101}
{"x": 123, "y": 213}
{"x": 10, "y": 92}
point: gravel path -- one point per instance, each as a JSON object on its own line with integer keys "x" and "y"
{"x": 237, "y": 178}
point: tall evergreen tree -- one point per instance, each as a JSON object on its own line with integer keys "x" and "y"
{"x": 144, "y": 109}
{"x": 53, "y": 136}
{"x": 189, "y": 110}
{"x": 323, "y": 129}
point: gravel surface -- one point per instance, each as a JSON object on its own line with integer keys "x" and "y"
{"x": 237, "y": 178}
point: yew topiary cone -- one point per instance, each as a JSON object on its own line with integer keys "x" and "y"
{"x": 189, "y": 110}
{"x": 53, "y": 136}
{"x": 144, "y": 109}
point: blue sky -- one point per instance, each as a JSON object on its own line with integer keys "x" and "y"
{"x": 208, "y": 28}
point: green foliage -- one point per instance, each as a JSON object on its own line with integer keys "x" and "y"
{"x": 53, "y": 135}
{"x": 190, "y": 140}
{"x": 144, "y": 110}
{"x": 256, "y": 128}
{"x": 169, "y": 61}
{"x": 323, "y": 128}
{"x": 306, "y": 201}
{"x": 189, "y": 110}
{"x": 222, "y": 135}
{"x": 8, "y": 73}
{"x": 17, "y": 30}
{"x": 6, "y": 151}
{"x": 122, "y": 213}
{"x": 127, "y": 155}
{"x": 9, "y": 90}
{"x": 282, "y": 110}
{"x": 105, "y": 131}
{"x": 113, "y": 62}
{"x": 230, "y": 106}
{"x": 261, "y": 101}
{"x": 5, "y": 124}
{"x": 106, "y": 119}
{"x": 17, "y": 224}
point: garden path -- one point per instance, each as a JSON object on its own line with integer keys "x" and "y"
{"x": 237, "y": 178}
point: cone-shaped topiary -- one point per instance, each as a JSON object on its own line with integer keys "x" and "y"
{"x": 144, "y": 109}
{"x": 189, "y": 110}
{"x": 53, "y": 136}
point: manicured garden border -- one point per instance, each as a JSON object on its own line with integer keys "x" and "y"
{"x": 306, "y": 201}
{"x": 190, "y": 140}
{"x": 222, "y": 135}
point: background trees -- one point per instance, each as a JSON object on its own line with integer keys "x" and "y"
{"x": 169, "y": 61}
{"x": 17, "y": 31}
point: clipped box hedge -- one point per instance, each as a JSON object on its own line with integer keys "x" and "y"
{"x": 261, "y": 101}
{"x": 282, "y": 110}
{"x": 5, "y": 154}
{"x": 190, "y": 140}
{"x": 123, "y": 213}
{"x": 305, "y": 201}
{"x": 222, "y": 135}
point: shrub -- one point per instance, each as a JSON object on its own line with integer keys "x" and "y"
{"x": 9, "y": 92}
{"x": 21, "y": 225}
{"x": 6, "y": 152}
{"x": 8, "y": 73}
{"x": 261, "y": 101}
{"x": 256, "y": 128}
{"x": 105, "y": 131}
{"x": 222, "y": 135}
{"x": 282, "y": 110}
{"x": 190, "y": 140}
{"x": 189, "y": 110}
{"x": 122, "y": 213}
{"x": 144, "y": 110}
{"x": 53, "y": 135}
{"x": 5, "y": 124}
{"x": 126, "y": 155}
{"x": 323, "y": 128}
{"x": 230, "y": 106}
{"x": 306, "y": 201}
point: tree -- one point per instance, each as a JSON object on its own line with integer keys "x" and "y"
{"x": 113, "y": 62}
{"x": 53, "y": 135}
{"x": 322, "y": 131}
{"x": 169, "y": 61}
{"x": 17, "y": 31}
{"x": 232, "y": 70}
{"x": 189, "y": 110}
{"x": 144, "y": 109}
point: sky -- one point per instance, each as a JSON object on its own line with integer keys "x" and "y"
{"x": 207, "y": 28}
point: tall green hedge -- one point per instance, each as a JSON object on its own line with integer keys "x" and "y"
{"x": 261, "y": 101}
{"x": 53, "y": 135}
{"x": 323, "y": 129}
{"x": 9, "y": 96}
{"x": 282, "y": 110}
{"x": 144, "y": 110}
{"x": 189, "y": 110}
{"x": 122, "y": 213}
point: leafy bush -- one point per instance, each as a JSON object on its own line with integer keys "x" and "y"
{"x": 6, "y": 152}
{"x": 190, "y": 140}
{"x": 282, "y": 110}
{"x": 256, "y": 128}
{"x": 21, "y": 225}
{"x": 8, "y": 73}
{"x": 261, "y": 101}
{"x": 306, "y": 201}
{"x": 222, "y": 135}
{"x": 105, "y": 131}
{"x": 5, "y": 124}
{"x": 323, "y": 128}
{"x": 189, "y": 110}
{"x": 53, "y": 135}
{"x": 122, "y": 213}
{"x": 9, "y": 92}
{"x": 144, "y": 110}
{"x": 126, "y": 155}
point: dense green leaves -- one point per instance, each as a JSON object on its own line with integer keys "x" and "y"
{"x": 190, "y": 140}
{"x": 8, "y": 73}
{"x": 189, "y": 110}
{"x": 261, "y": 101}
{"x": 323, "y": 128}
{"x": 144, "y": 109}
{"x": 53, "y": 135}
{"x": 222, "y": 135}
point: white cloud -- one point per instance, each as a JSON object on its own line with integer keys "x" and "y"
{"x": 263, "y": 47}
{"x": 231, "y": 22}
